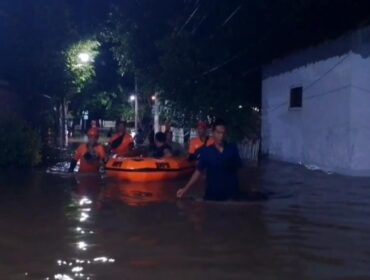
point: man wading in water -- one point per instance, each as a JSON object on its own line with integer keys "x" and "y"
{"x": 220, "y": 162}
{"x": 91, "y": 154}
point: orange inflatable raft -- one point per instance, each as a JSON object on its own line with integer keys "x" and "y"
{"x": 148, "y": 169}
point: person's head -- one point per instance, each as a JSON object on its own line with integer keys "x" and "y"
{"x": 92, "y": 136}
{"x": 167, "y": 126}
{"x": 160, "y": 139}
{"x": 93, "y": 123}
{"x": 219, "y": 131}
{"x": 202, "y": 129}
{"x": 121, "y": 127}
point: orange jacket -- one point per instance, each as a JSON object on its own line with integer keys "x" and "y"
{"x": 197, "y": 143}
{"x": 89, "y": 165}
{"x": 126, "y": 144}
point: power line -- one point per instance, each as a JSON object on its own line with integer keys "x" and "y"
{"x": 189, "y": 19}
{"x": 232, "y": 15}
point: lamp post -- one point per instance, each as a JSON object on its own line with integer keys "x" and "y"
{"x": 156, "y": 112}
{"x": 85, "y": 116}
{"x": 133, "y": 98}
{"x": 136, "y": 106}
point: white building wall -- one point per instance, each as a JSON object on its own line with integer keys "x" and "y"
{"x": 319, "y": 133}
{"x": 360, "y": 104}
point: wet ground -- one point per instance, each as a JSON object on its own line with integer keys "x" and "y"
{"x": 314, "y": 226}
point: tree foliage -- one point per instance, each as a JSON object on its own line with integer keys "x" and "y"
{"x": 80, "y": 59}
{"x": 21, "y": 144}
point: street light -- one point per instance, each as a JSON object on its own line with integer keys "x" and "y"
{"x": 84, "y": 57}
{"x": 153, "y": 98}
{"x": 132, "y": 98}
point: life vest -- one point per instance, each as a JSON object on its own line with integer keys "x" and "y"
{"x": 89, "y": 163}
{"x": 121, "y": 143}
{"x": 197, "y": 144}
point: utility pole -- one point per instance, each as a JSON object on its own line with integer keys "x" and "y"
{"x": 136, "y": 105}
{"x": 156, "y": 113}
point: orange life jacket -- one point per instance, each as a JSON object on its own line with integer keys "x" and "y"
{"x": 196, "y": 144}
{"x": 89, "y": 163}
{"x": 125, "y": 145}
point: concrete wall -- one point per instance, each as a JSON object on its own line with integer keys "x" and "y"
{"x": 360, "y": 103}
{"x": 321, "y": 132}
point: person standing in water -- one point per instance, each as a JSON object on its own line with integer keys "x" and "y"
{"x": 121, "y": 142}
{"x": 91, "y": 154}
{"x": 220, "y": 162}
{"x": 168, "y": 133}
{"x": 197, "y": 144}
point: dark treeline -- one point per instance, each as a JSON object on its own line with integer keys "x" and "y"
{"x": 203, "y": 57}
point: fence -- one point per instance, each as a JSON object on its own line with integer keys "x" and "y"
{"x": 248, "y": 148}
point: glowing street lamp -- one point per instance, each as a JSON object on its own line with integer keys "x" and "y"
{"x": 132, "y": 98}
{"x": 84, "y": 57}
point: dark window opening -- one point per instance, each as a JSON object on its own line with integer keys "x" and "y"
{"x": 296, "y": 97}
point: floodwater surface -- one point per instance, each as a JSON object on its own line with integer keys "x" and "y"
{"x": 313, "y": 226}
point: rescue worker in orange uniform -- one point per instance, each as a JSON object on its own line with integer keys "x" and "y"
{"x": 203, "y": 140}
{"x": 121, "y": 142}
{"x": 91, "y": 154}
{"x": 94, "y": 127}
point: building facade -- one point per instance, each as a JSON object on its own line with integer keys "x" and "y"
{"x": 316, "y": 106}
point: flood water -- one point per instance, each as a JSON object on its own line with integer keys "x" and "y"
{"x": 314, "y": 226}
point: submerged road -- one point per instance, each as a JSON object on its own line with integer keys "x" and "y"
{"x": 314, "y": 226}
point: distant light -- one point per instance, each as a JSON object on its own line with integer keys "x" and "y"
{"x": 84, "y": 57}
{"x": 132, "y": 97}
{"x": 240, "y": 106}
{"x": 256, "y": 109}
{"x": 153, "y": 97}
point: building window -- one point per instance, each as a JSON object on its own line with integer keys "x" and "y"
{"x": 296, "y": 97}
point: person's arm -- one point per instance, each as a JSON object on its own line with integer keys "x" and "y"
{"x": 72, "y": 166}
{"x": 191, "y": 152}
{"x": 196, "y": 175}
{"x": 103, "y": 157}
{"x": 74, "y": 161}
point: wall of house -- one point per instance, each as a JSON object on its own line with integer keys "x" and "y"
{"x": 360, "y": 103}
{"x": 320, "y": 132}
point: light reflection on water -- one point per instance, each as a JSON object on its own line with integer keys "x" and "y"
{"x": 315, "y": 227}
{"x": 78, "y": 267}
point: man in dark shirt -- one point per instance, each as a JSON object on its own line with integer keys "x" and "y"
{"x": 162, "y": 149}
{"x": 221, "y": 162}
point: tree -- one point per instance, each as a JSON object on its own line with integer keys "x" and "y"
{"x": 33, "y": 59}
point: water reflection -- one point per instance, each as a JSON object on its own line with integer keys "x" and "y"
{"x": 320, "y": 230}
{"x": 140, "y": 194}
{"x": 80, "y": 213}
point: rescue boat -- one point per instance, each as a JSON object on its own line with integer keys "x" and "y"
{"x": 148, "y": 169}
